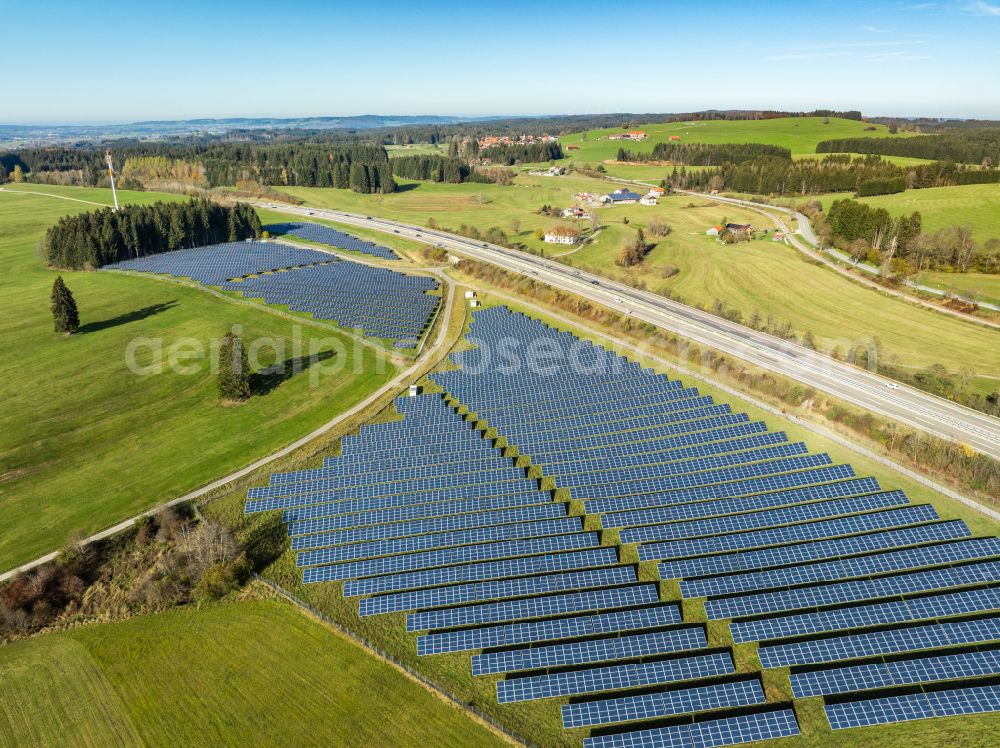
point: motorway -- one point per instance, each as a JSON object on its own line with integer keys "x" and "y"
{"x": 877, "y": 394}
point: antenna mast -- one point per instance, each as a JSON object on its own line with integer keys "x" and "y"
{"x": 111, "y": 173}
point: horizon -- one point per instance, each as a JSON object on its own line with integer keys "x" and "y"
{"x": 105, "y": 68}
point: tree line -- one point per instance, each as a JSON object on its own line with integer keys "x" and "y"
{"x": 863, "y": 175}
{"x": 443, "y": 169}
{"x": 899, "y": 243}
{"x": 706, "y": 154}
{"x": 528, "y": 153}
{"x": 100, "y": 237}
{"x": 362, "y": 168}
{"x": 972, "y": 146}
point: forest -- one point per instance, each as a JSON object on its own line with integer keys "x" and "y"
{"x": 863, "y": 175}
{"x": 980, "y": 146}
{"x": 362, "y": 168}
{"x": 872, "y": 234}
{"x": 529, "y": 153}
{"x": 705, "y": 154}
{"x": 96, "y": 238}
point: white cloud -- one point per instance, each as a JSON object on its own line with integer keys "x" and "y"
{"x": 983, "y": 8}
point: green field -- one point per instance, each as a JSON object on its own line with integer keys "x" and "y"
{"x": 975, "y": 204}
{"x": 976, "y": 285}
{"x": 799, "y": 134}
{"x": 773, "y": 279}
{"x": 417, "y": 149}
{"x": 765, "y": 277}
{"x": 237, "y": 674}
{"x": 84, "y": 441}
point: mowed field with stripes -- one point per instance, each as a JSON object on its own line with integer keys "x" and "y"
{"x": 594, "y": 553}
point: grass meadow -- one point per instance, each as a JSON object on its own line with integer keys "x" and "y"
{"x": 254, "y": 672}
{"x": 84, "y": 441}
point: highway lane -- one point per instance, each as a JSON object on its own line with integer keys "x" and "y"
{"x": 864, "y": 389}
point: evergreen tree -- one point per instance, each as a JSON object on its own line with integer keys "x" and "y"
{"x": 64, "y": 311}
{"x": 234, "y": 369}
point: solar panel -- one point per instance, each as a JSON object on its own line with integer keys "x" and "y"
{"x": 905, "y": 707}
{"x": 663, "y": 704}
{"x": 516, "y": 587}
{"x": 613, "y": 677}
{"x": 590, "y": 651}
{"x": 895, "y": 673}
{"x": 513, "y": 567}
{"x": 562, "y": 628}
{"x": 747, "y": 728}
{"x": 853, "y": 591}
{"x": 897, "y": 611}
{"x": 534, "y": 607}
{"x": 892, "y": 641}
{"x": 843, "y": 568}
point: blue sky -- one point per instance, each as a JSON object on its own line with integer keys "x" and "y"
{"x": 117, "y": 61}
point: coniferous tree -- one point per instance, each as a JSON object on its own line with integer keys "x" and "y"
{"x": 64, "y": 311}
{"x": 234, "y": 369}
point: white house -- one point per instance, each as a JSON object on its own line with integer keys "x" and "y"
{"x": 647, "y": 200}
{"x": 561, "y": 235}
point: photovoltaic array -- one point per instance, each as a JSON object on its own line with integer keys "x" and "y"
{"x": 375, "y": 301}
{"x": 316, "y": 232}
{"x": 834, "y": 576}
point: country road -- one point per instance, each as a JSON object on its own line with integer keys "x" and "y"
{"x": 931, "y": 414}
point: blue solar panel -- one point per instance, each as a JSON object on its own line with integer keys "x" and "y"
{"x": 663, "y": 704}
{"x": 513, "y": 567}
{"x": 562, "y": 628}
{"x": 892, "y": 641}
{"x": 591, "y": 651}
{"x": 534, "y": 607}
{"x": 896, "y": 611}
{"x": 614, "y": 677}
{"x": 905, "y": 707}
{"x": 448, "y": 556}
{"x": 895, "y": 673}
{"x": 853, "y": 591}
{"x": 759, "y": 519}
{"x": 519, "y": 586}
{"x": 728, "y": 731}
{"x": 321, "y": 234}
{"x": 807, "y": 531}
{"x": 843, "y": 568}
{"x": 813, "y": 550}
{"x": 376, "y": 301}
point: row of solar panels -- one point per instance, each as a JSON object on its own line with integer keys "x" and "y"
{"x": 742, "y": 518}
{"x": 321, "y": 234}
{"x": 720, "y": 502}
{"x": 376, "y": 301}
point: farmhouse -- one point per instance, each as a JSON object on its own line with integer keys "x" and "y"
{"x": 714, "y": 231}
{"x": 575, "y": 212}
{"x": 647, "y": 200}
{"x": 658, "y": 191}
{"x": 621, "y": 197}
{"x": 740, "y": 228}
{"x": 675, "y": 137}
{"x": 561, "y": 235}
{"x": 630, "y": 135}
